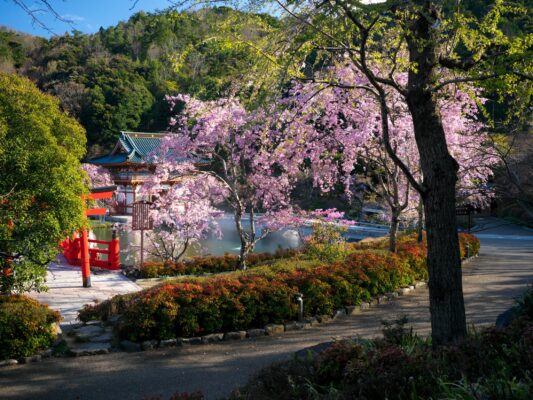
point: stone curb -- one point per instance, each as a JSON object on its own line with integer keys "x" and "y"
{"x": 26, "y": 360}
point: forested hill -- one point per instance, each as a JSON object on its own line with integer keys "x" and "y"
{"x": 116, "y": 79}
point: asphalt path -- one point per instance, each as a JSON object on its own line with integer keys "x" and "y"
{"x": 491, "y": 282}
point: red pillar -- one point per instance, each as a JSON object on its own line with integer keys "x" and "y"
{"x": 114, "y": 252}
{"x": 85, "y": 265}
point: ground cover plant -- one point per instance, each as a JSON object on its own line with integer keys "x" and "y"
{"x": 241, "y": 300}
{"x": 488, "y": 364}
{"x": 25, "y": 326}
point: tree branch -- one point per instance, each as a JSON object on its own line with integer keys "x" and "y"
{"x": 465, "y": 79}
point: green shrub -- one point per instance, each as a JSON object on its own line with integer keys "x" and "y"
{"x": 524, "y": 304}
{"x": 25, "y": 326}
{"x": 210, "y": 264}
{"x": 326, "y": 242}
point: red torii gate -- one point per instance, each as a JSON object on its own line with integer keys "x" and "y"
{"x": 77, "y": 250}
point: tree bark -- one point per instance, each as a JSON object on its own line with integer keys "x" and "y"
{"x": 439, "y": 169}
{"x": 395, "y": 221}
{"x": 420, "y": 224}
{"x": 244, "y": 242}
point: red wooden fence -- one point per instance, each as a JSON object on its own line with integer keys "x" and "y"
{"x": 72, "y": 252}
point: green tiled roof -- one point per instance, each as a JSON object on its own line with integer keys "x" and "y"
{"x": 132, "y": 147}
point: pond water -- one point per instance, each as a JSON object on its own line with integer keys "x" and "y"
{"x": 230, "y": 242}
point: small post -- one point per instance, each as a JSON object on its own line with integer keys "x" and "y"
{"x": 114, "y": 250}
{"x": 85, "y": 264}
{"x": 142, "y": 249}
{"x": 300, "y": 301}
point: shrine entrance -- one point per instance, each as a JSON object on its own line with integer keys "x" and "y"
{"x": 77, "y": 251}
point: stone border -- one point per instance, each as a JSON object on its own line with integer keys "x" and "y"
{"x": 26, "y": 360}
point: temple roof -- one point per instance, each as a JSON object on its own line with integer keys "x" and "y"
{"x": 132, "y": 147}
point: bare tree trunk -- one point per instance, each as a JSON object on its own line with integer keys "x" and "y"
{"x": 393, "y": 235}
{"x": 243, "y": 255}
{"x": 439, "y": 169}
{"x": 244, "y": 241}
{"x": 444, "y": 265}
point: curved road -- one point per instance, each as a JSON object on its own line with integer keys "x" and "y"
{"x": 501, "y": 272}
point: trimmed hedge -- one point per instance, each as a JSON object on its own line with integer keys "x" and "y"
{"x": 243, "y": 300}
{"x": 210, "y": 264}
{"x": 25, "y": 326}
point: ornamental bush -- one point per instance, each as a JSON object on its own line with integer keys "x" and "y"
{"x": 265, "y": 294}
{"x": 25, "y": 326}
{"x": 210, "y": 264}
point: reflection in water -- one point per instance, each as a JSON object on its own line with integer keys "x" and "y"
{"x": 230, "y": 242}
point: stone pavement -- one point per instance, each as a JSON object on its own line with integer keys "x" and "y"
{"x": 67, "y": 295}
{"x": 491, "y": 282}
{"x": 494, "y": 228}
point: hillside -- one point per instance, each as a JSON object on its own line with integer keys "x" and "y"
{"x": 116, "y": 79}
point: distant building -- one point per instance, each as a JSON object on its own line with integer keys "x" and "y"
{"x": 130, "y": 165}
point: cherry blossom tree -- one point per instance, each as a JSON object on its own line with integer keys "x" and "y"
{"x": 437, "y": 45}
{"x": 183, "y": 214}
{"x": 98, "y": 176}
{"x": 337, "y": 129}
{"x": 242, "y": 156}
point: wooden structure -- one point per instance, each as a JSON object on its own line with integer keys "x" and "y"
{"x": 141, "y": 221}
{"x": 466, "y": 211}
{"x": 131, "y": 163}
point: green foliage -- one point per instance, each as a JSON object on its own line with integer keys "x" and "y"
{"x": 116, "y": 79}
{"x": 327, "y": 242}
{"x": 25, "y": 326}
{"x": 264, "y": 294}
{"x": 118, "y": 97}
{"x": 524, "y": 304}
{"x": 41, "y": 182}
{"x": 12, "y": 50}
{"x": 210, "y": 264}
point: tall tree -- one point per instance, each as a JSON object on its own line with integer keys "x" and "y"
{"x": 435, "y": 49}
{"x": 41, "y": 182}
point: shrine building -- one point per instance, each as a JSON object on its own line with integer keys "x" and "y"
{"x": 130, "y": 165}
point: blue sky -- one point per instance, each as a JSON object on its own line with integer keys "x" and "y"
{"x": 86, "y": 15}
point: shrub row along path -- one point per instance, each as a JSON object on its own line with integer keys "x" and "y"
{"x": 491, "y": 281}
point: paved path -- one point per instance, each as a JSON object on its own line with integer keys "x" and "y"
{"x": 67, "y": 295}
{"x": 491, "y": 281}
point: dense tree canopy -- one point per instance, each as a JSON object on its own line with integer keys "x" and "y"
{"x": 41, "y": 181}
{"x": 116, "y": 79}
